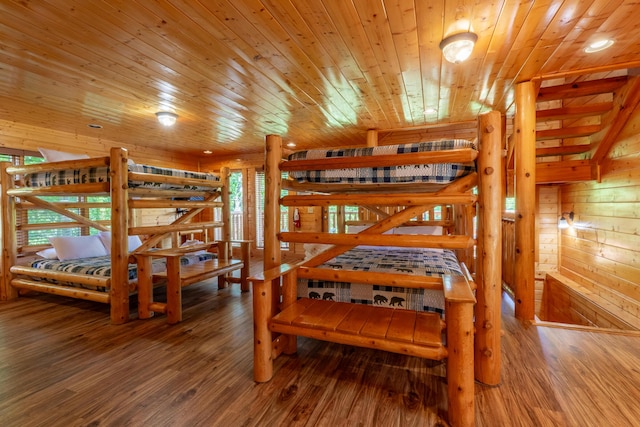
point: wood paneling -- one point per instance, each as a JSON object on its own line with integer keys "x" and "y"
{"x": 319, "y": 73}
{"x": 601, "y": 252}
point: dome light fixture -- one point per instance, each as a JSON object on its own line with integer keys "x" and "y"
{"x": 458, "y": 47}
{"x": 167, "y": 118}
{"x": 599, "y": 45}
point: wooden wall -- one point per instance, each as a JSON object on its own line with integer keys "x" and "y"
{"x": 30, "y": 138}
{"x": 602, "y": 251}
{"x": 547, "y": 237}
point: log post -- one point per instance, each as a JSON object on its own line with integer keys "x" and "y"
{"x": 525, "y": 183}
{"x": 145, "y": 287}
{"x": 289, "y": 296}
{"x": 9, "y": 247}
{"x": 119, "y": 292}
{"x": 174, "y": 290}
{"x": 460, "y": 387}
{"x": 372, "y": 138}
{"x": 265, "y": 292}
{"x": 271, "y": 201}
{"x": 245, "y": 255}
{"x": 262, "y": 341}
{"x": 489, "y": 267}
{"x": 226, "y": 203}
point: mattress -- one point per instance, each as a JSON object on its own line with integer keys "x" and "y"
{"x": 101, "y": 174}
{"x": 428, "y": 262}
{"x": 439, "y": 173}
{"x": 101, "y": 266}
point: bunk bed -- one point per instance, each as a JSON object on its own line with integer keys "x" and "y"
{"x": 283, "y": 311}
{"x": 129, "y": 264}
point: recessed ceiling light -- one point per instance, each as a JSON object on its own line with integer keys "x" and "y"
{"x": 291, "y": 144}
{"x": 599, "y": 45}
{"x": 94, "y": 126}
{"x": 208, "y": 152}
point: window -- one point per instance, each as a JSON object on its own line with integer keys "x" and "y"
{"x": 37, "y": 224}
{"x": 284, "y": 212}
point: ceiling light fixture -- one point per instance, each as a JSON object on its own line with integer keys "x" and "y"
{"x": 458, "y": 47}
{"x": 599, "y": 45}
{"x": 166, "y": 118}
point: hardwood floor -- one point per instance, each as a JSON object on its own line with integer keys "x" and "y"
{"x": 63, "y": 364}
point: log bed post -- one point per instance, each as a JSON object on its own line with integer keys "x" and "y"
{"x": 460, "y": 372}
{"x": 525, "y": 170}
{"x": 265, "y": 292}
{"x": 226, "y": 202}
{"x": 489, "y": 252}
{"x": 119, "y": 291}
{"x": 8, "y": 292}
{"x": 225, "y": 251}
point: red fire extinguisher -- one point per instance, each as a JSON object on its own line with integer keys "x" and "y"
{"x": 296, "y": 218}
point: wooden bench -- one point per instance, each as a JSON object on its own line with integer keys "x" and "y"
{"x": 178, "y": 276}
{"x": 279, "y": 319}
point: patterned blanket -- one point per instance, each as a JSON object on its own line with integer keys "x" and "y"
{"x": 389, "y": 260}
{"x": 101, "y": 266}
{"x": 440, "y": 173}
{"x": 101, "y": 174}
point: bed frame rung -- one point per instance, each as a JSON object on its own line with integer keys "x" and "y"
{"x": 50, "y": 288}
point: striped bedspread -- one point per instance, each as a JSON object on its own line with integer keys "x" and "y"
{"x": 440, "y": 173}
{"x": 101, "y": 174}
{"x": 427, "y": 262}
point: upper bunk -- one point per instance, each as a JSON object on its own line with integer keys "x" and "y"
{"x": 425, "y": 166}
{"x": 191, "y": 196}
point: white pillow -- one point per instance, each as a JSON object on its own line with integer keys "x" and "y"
{"x": 133, "y": 242}
{"x": 59, "y": 156}
{"x": 355, "y": 229}
{"x": 48, "y": 253}
{"x": 427, "y": 230}
{"x": 77, "y": 247}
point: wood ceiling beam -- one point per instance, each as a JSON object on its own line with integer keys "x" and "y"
{"x": 586, "y": 88}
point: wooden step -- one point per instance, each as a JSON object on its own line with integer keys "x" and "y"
{"x": 401, "y": 331}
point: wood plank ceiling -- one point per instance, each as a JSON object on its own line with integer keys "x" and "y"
{"x": 318, "y": 72}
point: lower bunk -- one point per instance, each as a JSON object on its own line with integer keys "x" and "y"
{"x": 280, "y": 316}
{"x": 90, "y": 278}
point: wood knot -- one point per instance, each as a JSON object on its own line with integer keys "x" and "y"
{"x": 487, "y": 352}
{"x": 488, "y": 171}
{"x": 288, "y": 392}
{"x": 488, "y": 325}
{"x": 489, "y": 128}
